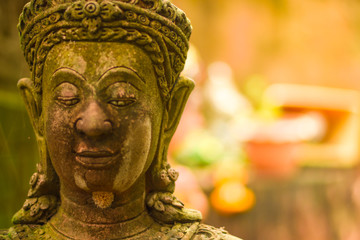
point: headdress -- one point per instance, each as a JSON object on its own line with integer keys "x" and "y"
{"x": 158, "y": 26}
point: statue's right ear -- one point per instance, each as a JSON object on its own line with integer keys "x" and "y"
{"x": 29, "y": 96}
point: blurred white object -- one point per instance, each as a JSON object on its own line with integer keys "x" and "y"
{"x": 222, "y": 93}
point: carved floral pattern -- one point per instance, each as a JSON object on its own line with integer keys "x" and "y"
{"x": 180, "y": 231}
{"x": 37, "y": 209}
{"x": 93, "y": 13}
{"x": 160, "y": 200}
{"x": 211, "y": 233}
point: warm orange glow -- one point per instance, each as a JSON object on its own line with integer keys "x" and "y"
{"x": 232, "y": 197}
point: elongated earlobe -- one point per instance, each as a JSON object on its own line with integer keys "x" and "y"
{"x": 176, "y": 105}
{"x": 45, "y": 178}
{"x": 162, "y": 176}
{"x": 27, "y": 91}
{"x": 162, "y": 205}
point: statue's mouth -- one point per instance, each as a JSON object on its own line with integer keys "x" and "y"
{"x": 95, "y": 159}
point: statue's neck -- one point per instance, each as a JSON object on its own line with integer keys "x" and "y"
{"x": 126, "y": 217}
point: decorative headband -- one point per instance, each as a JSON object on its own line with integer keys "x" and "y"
{"x": 159, "y": 27}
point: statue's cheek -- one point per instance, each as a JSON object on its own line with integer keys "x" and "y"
{"x": 135, "y": 151}
{"x": 60, "y": 140}
{"x": 59, "y": 121}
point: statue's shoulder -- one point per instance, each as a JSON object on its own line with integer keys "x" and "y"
{"x": 19, "y": 232}
{"x": 184, "y": 231}
{"x": 196, "y": 231}
{"x": 209, "y": 232}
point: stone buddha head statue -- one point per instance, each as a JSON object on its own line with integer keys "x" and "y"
{"x": 105, "y": 98}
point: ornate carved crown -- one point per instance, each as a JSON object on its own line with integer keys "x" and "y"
{"x": 159, "y": 27}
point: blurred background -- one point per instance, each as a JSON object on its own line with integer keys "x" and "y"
{"x": 268, "y": 146}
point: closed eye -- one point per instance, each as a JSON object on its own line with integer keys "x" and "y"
{"x": 122, "y": 102}
{"x": 68, "y": 101}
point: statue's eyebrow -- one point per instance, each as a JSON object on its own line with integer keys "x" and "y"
{"x": 119, "y": 67}
{"x": 68, "y": 70}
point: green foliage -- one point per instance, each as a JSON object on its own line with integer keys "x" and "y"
{"x": 200, "y": 149}
{"x": 18, "y": 153}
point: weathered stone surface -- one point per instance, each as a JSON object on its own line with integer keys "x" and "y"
{"x": 105, "y": 98}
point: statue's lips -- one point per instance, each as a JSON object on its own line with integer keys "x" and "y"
{"x": 95, "y": 159}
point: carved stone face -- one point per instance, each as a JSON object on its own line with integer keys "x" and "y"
{"x": 102, "y": 113}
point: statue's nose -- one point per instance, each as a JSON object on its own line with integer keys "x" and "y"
{"x": 93, "y": 121}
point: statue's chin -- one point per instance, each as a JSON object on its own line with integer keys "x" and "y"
{"x": 106, "y": 180}
{"x": 91, "y": 181}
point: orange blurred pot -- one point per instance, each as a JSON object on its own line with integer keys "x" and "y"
{"x": 273, "y": 158}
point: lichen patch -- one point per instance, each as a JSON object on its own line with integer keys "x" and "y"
{"x": 103, "y": 199}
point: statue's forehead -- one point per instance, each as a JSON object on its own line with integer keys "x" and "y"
{"x": 93, "y": 59}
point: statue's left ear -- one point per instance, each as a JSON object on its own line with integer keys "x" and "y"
{"x": 27, "y": 90}
{"x": 176, "y": 104}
